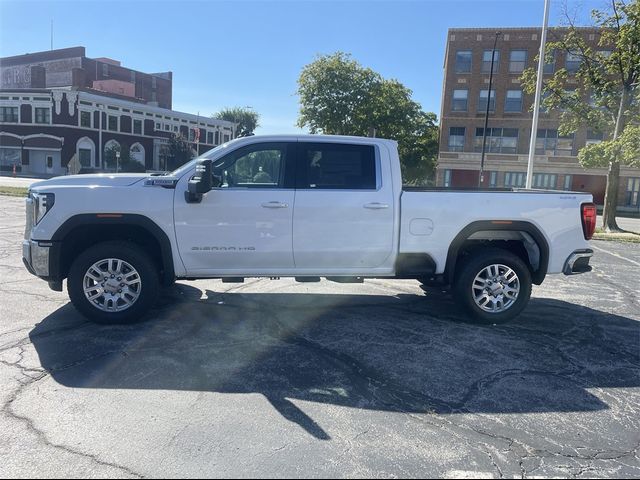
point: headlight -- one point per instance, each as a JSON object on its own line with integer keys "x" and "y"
{"x": 42, "y": 203}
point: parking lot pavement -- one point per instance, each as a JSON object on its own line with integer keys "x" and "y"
{"x": 279, "y": 379}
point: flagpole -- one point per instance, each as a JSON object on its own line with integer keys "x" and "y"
{"x": 536, "y": 102}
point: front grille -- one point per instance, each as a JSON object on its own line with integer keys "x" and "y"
{"x": 29, "y": 218}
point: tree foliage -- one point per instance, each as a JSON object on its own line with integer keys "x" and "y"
{"x": 246, "y": 118}
{"x": 178, "y": 152}
{"x": 606, "y": 97}
{"x": 338, "y": 96}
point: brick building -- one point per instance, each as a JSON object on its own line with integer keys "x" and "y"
{"x": 466, "y": 78}
{"x": 48, "y": 114}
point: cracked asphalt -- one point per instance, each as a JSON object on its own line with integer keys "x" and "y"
{"x": 279, "y": 379}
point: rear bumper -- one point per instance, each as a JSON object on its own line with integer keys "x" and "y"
{"x": 578, "y": 262}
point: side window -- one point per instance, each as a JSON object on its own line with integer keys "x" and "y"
{"x": 255, "y": 166}
{"x": 329, "y": 166}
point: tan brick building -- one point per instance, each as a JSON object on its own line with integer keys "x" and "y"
{"x": 464, "y": 96}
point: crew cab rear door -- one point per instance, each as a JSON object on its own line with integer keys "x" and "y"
{"x": 343, "y": 217}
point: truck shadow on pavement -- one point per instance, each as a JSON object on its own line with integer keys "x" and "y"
{"x": 400, "y": 353}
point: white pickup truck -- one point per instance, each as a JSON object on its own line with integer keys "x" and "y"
{"x": 304, "y": 206}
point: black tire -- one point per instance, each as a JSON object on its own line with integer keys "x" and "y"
{"x": 133, "y": 255}
{"x": 474, "y": 263}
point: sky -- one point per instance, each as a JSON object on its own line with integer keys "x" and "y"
{"x": 250, "y": 53}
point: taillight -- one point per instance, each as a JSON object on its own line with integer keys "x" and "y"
{"x": 589, "y": 217}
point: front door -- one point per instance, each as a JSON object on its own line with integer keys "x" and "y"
{"x": 344, "y": 217}
{"x": 244, "y": 226}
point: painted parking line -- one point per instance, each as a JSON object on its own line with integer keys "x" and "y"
{"x": 616, "y": 255}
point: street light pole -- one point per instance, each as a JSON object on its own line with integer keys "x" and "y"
{"x": 117, "y": 160}
{"x": 536, "y": 102}
{"x": 486, "y": 114}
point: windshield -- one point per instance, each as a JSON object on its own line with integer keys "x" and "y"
{"x": 189, "y": 165}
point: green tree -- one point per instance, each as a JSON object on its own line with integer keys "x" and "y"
{"x": 178, "y": 152}
{"x": 606, "y": 97}
{"x": 338, "y": 96}
{"x": 246, "y": 118}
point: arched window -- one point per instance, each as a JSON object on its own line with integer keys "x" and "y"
{"x": 109, "y": 154}
{"x": 86, "y": 152}
{"x": 136, "y": 152}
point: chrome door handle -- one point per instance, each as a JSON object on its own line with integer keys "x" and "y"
{"x": 274, "y": 205}
{"x": 376, "y": 206}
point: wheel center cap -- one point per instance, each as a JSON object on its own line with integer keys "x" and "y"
{"x": 112, "y": 286}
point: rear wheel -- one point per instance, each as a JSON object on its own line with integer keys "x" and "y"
{"x": 494, "y": 285}
{"x": 113, "y": 282}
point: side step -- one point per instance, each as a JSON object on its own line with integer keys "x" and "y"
{"x": 346, "y": 279}
{"x": 232, "y": 279}
{"x": 307, "y": 279}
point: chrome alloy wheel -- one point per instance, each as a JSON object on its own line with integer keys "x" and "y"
{"x": 495, "y": 289}
{"x": 112, "y": 285}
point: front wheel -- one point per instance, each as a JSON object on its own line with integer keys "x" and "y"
{"x": 113, "y": 282}
{"x": 494, "y": 285}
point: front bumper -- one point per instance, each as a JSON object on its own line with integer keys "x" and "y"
{"x": 36, "y": 257}
{"x": 578, "y": 262}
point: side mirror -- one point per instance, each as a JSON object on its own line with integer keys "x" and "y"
{"x": 201, "y": 183}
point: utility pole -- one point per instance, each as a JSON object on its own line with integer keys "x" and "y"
{"x": 536, "y": 102}
{"x": 486, "y": 114}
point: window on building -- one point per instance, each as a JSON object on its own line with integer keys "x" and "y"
{"x": 567, "y": 182}
{"x": 217, "y": 138}
{"x": 105, "y": 69}
{"x": 49, "y": 161}
{"x": 84, "y": 155}
{"x": 167, "y": 127}
{"x": 482, "y": 101}
{"x": 633, "y": 192}
{"x": 548, "y": 142}
{"x": 493, "y": 179}
{"x": 112, "y": 123}
{"x": 226, "y": 138}
{"x": 517, "y": 61}
{"x": 9, "y": 114}
{"x": 463, "y": 61}
{"x": 515, "y": 179}
{"x": 594, "y": 137}
{"x": 513, "y": 101}
{"x": 550, "y": 63}
{"x": 545, "y": 180}
{"x": 158, "y": 126}
{"x": 210, "y": 138}
{"x": 456, "y": 139}
{"x": 499, "y": 140}
{"x": 447, "y": 178}
{"x": 43, "y": 115}
{"x": 460, "y": 100}
{"x": 133, "y": 76}
{"x": 574, "y": 60}
{"x": 137, "y": 127}
{"x": 486, "y": 61}
{"x": 85, "y": 119}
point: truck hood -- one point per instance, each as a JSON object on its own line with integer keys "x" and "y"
{"x": 99, "y": 180}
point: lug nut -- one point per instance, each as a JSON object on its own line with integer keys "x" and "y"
{"x": 122, "y": 284}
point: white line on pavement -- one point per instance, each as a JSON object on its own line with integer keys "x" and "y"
{"x": 616, "y": 255}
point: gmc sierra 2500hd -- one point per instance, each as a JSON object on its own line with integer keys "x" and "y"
{"x": 306, "y": 206}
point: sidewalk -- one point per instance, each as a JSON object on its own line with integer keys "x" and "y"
{"x": 628, "y": 224}
{"x": 17, "y": 181}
